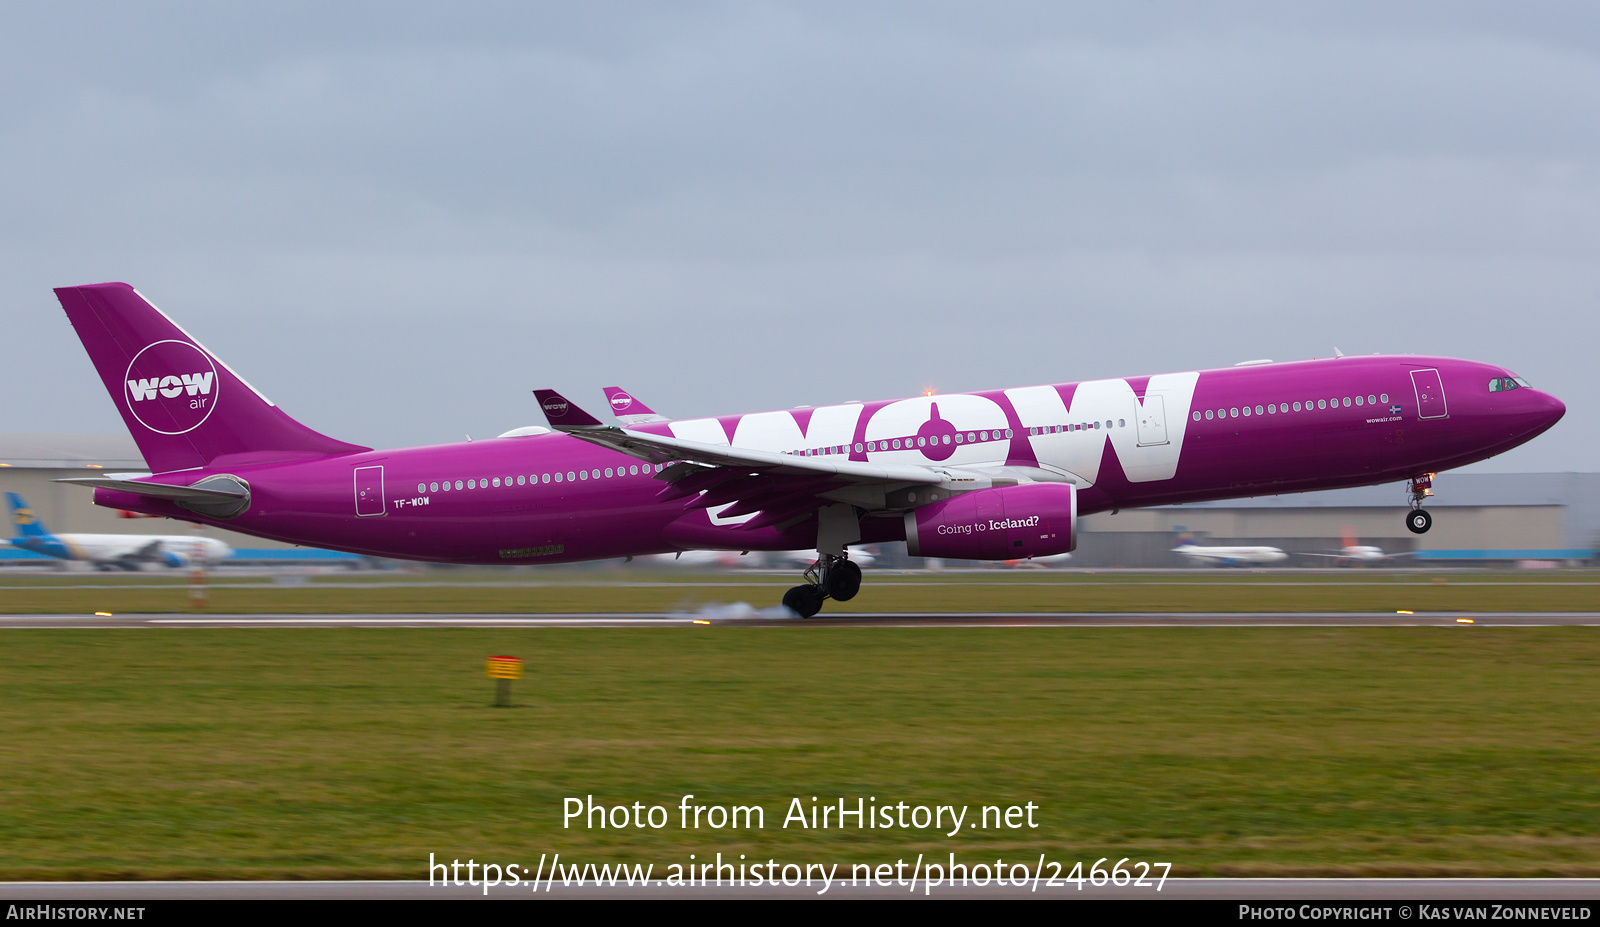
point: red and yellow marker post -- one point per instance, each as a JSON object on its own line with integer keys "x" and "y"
{"x": 502, "y": 670}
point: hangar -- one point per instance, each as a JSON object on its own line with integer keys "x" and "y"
{"x": 1479, "y": 519}
{"x": 31, "y": 463}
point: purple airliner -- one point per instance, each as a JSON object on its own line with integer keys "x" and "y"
{"x": 994, "y": 475}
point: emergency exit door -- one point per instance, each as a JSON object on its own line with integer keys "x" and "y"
{"x": 369, "y": 491}
{"x": 1152, "y": 420}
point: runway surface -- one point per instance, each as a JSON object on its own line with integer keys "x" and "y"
{"x": 737, "y": 616}
{"x": 1390, "y": 891}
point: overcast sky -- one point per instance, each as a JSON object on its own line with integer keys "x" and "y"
{"x": 396, "y": 221}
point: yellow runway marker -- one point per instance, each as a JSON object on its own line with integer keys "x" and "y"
{"x": 1404, "y": 612}
{"x": 102, "y": 614}
{"x": 699, "y": 621}
{"x": 1463, "y": 621}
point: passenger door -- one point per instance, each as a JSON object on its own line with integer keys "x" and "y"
{"x": 1430, "y": 394}
{"x": 369, "y": 491}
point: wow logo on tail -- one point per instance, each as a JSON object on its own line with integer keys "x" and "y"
{"x": 171, "y": 387}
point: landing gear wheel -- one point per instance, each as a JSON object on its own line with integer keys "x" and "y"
{"x": 804, "y": 601}
{"x": 843, "y": 580}
{"x": 1419, "y": 521}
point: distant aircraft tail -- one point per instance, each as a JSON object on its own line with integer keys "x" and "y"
{"x": 184, "y": 407}
{"x": 28, "y": 524}
{"x": 628, "y": 409}
{"x": 1349, "y": 535}
{"x": 1183, "y": 535}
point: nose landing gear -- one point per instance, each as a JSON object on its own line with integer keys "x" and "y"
{"x": 1418, "y": 521}
{"x": 829, "y": 577}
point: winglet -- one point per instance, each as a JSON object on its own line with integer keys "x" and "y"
{"x": 562, "y": 414}
{"x": 628, "y": 409}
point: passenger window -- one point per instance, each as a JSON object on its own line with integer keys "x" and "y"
{"x": 1297, "y": 407}
{"x": 1372, "y": 400}
{"x": 1322, "y": 403}
{"x": 1123, "y": 423}
{"x": 1258, "y": 410}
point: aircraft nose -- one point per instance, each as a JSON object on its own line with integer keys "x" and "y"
{"x": 1551, "y": 409}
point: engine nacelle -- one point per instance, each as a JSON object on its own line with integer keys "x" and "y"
{"x": 172, "y": 558}
{"x": 1009, "y": 523}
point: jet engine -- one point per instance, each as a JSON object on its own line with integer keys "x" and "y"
{"x": 172, "y": 558}
{"x": 1006, "y": 523}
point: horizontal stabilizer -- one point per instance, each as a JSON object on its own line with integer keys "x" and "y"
{"x": 562, "y": 414}
{"x": 160, "y": 490}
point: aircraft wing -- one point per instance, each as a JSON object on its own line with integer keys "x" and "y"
{"x": 129, "y": 559}
{"x": 1304, "y": 553}
{"x": 782, "y": 487}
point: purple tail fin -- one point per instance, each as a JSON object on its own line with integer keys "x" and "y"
{"x": 184, "y": 407}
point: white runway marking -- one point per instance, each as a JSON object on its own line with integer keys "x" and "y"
{"x": 843, "y": 619}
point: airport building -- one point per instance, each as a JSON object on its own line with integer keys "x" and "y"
{"x": 30, "y": 464}
{"x": 1479, "y": 518}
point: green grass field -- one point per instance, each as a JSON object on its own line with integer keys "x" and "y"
{"x": 355, "y": 753}
{"x": 656, "y": 591}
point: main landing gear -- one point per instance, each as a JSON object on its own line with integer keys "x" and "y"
{"x": 829, "y": 577}
{"x": 1418, "y": 521}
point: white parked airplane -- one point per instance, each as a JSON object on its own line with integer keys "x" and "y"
{"x": 804, "y": 558}
{"x": 1041, "y": 562}
{"x": 111, "y": 551}
{"x": 1360, "y": 553}
{"x": 1226, "y": 556}
{"x": 705, "y": 559}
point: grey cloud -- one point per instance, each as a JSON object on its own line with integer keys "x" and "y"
{"x": 734, "y": 206}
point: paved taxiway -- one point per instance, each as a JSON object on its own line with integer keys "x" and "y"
{"x": 1391, "y": 891}
{"x": 720, "y": 616}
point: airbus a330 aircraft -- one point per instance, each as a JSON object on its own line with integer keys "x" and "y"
{"x": 996, "y": 475}
{"x": 111, "y": 551}
{"x": 1227, "y": 556}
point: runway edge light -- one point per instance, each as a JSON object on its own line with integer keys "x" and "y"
{"x": 502, "y": 670}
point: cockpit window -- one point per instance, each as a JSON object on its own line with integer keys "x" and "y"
{"x": 1520, "y": 382}
{"x": 1494, "y": 385}
{"x": 1502, "y": 384}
